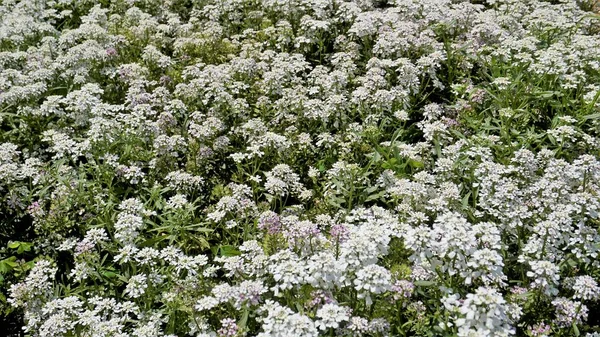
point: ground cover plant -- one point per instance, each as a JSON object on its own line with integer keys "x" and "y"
{"x": 299, "y": 168}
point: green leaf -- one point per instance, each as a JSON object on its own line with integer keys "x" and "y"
{"x": 339, "y": 185}
{"x": 10, "y": 262}
{"x": 201, "y": 241}
{"x": 244, "y": 320}
{"x": 24, "y": 247}
{"x": 415, "y": 163}
{"x": 424, "y": 283}
{"x": 592, "y": 116}
{"x": 546, "y": 94}
{"x": 153, "y": 240}
{"x": 377, "y": 157}
{"x": 572, "y": 263}
{"x": 197, "y": 228}
{"x": 299, "y": 308}
{"x": 371, "y": 189}
{"x": 332, "y": 202}
{"x": 228, "y": 251}
{"x": 28, "y": 265}
{"x": 375, "y": 196}
{"x": 321, "y": 166}
{"x": 109, "y": 274}
{"x": 465, "y": 200}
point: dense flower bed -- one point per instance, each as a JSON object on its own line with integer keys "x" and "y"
{"x": 299, "y": 168}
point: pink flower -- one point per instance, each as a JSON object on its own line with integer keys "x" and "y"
{"x": 111, "y": 51}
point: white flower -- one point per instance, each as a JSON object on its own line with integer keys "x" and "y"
{"x": 81, "y": 271}
{"x": 127, "y": 227}
{"x": 483, "y": 313}
{"x": 282, "y": 321}
{"x": 331, "y": 315}
{"x": 358, "y": 325}
{"x": 586, "y": 288}
{"x": 126, "y": 254}
{"x": 502, "y": 82}
{"x": 569, "y": 312}
{"x": 281, "y": 180}
{"x": 178, "y": 201}
{"x": 37, "y": 284}
{"x": 372, "y": 279}
{"x": 545, "y": 275}
{"x": 136, "y": 286}
{"x": 183, "y": 181}
{"x": 206, "y": 303}
{"x": 287, "y": 270}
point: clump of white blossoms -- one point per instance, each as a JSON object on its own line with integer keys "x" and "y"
{"x": 372, "y": 279}
{"x": 282, "y": 181}
{"x": 136, "y": 286}
{"x": 569, "y": 312}
{"x": 586, "y": 288}
{"x": 456, "y": 247}
{"x": 483, "y": 313}
{"x": 331, "y": 316}
{"x": 281, "y": 321}
{"x": 545, "y": 276}
{"x": 130, "y": 221}
{"x": 37, "y": 286}
{"x": 178, "y": 201}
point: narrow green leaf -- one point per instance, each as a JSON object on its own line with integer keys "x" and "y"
{"x": 424, "y": 283}
{"x": 244, "y": 320}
